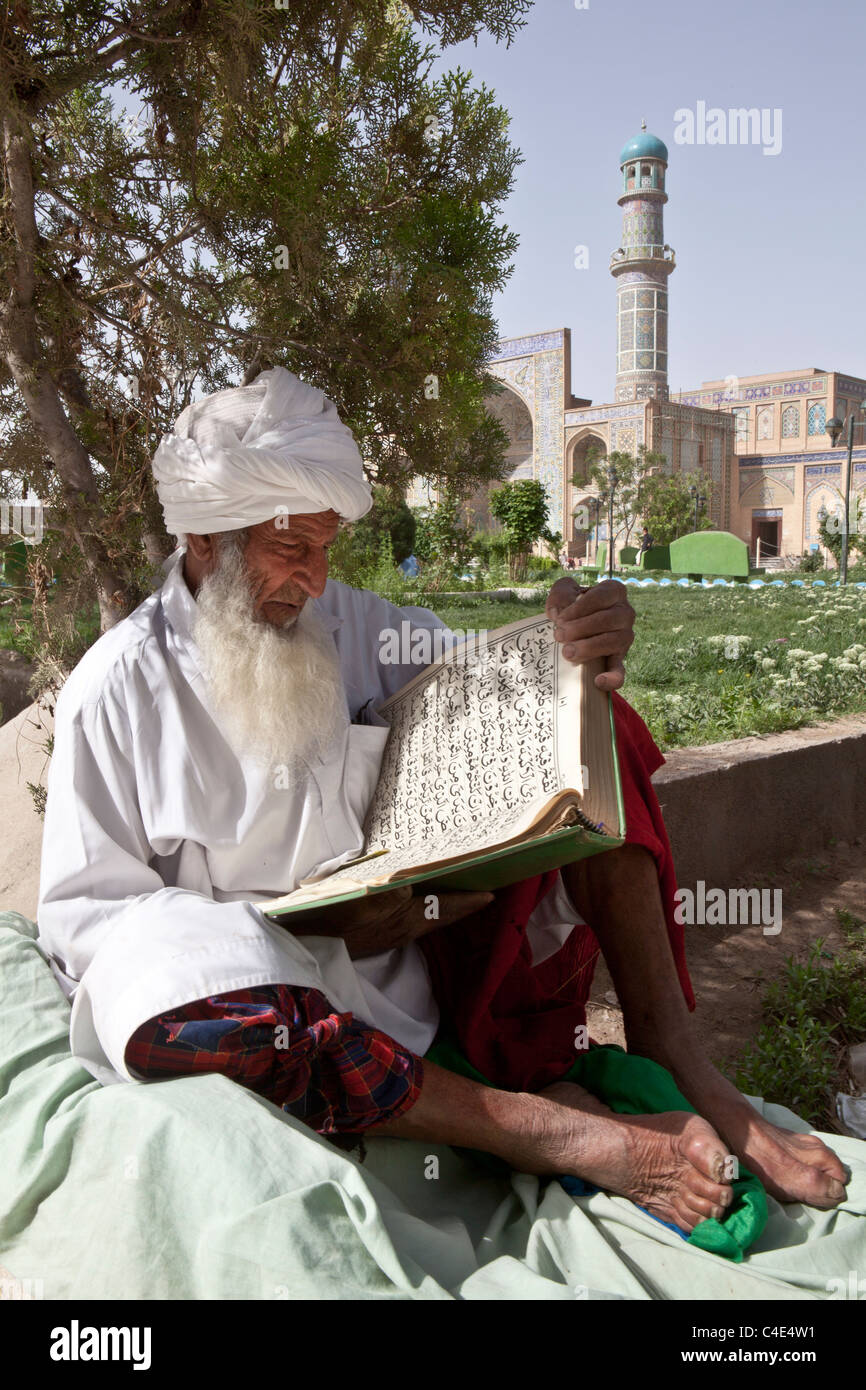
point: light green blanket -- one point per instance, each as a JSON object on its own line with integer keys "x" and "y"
{"x": 195, "y": 1188}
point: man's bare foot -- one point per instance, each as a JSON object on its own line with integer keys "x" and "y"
{"x": 671, "y": 1164}
{"x": 792, "y": 1167}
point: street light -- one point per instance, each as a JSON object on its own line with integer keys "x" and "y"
{"x": 822, "y": 521}
{"x": 834, "y": 428}
{"x": 596, "y": 502}
{"x": 699, "y": 500}
{"x": 612, "y": 480}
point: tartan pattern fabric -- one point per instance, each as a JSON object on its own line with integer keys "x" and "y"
{"x": 286, "y": 1043}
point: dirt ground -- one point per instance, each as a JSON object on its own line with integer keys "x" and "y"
{"x": 731, "y": 966}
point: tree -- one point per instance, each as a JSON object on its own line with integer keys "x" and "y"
{"x": 632, "y": 474}
{"x": 285, "y": 183}
{"x": 389, "y": 515}
{"x": 669, "y": 507}
{"x": 443, "y": 540}
{"x": 521, "y": 508}
{"x": 830, "y": 530}
{"x": 643, "y": 493}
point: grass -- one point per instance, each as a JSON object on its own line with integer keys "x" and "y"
{"x": 707, "y": 666}
{"x": 812, "y": 1015}
{"x": 17, "y": 632}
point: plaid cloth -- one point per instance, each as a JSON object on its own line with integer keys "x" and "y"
{"x": 288, "y": 1044}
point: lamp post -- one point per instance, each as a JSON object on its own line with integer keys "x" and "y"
{"x": 612, "y": 480}
{"x": 834, "y": 429}
{"x": 822, "y": 521}
{"x": 699, "y": 501}
{"x": 596, "y": 502}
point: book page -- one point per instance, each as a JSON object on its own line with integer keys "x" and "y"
{"x": 480, "y": 742}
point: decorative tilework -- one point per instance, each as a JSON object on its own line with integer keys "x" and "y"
{"x": 790, "y": 422}
{"x": 521, "y": 347}
{"x": 645, "y": 330}
{"x": 783, "y": 476}
{"x": 765, "y": 422}
{"x": 817, "y": 417}
{"x": 763, "y": 492}
{"x": 823, "y": 460}
{"x": 741, "y": 421}
{"x": 520, "y": 374}
{"x": 590, "y": 415}
{"x": 804, "y": 387}
{"x": 549, "y": 409}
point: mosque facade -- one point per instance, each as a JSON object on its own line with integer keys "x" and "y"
{"x": 759, "y": 441}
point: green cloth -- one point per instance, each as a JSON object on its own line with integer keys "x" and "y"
{"x": 633, "y": 1085}
{"x": 195, "y": 1188}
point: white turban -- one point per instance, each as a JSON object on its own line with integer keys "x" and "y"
{"x": 254, "y": 452}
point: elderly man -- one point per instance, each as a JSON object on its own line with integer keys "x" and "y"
{"x": 222, "y": 743}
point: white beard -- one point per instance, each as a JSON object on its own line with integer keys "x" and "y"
{"x": 277, "y": 693}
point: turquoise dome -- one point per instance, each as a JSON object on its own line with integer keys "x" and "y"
{"x": 644, "y": 146}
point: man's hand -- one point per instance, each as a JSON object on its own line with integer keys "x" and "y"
{"x": 382, "y": 921}
{"x": 596, "y": 622}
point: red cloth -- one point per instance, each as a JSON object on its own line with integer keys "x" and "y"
{"x": 517, "y": 1024}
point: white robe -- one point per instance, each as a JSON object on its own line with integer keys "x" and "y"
{"x": 159, "y": 838}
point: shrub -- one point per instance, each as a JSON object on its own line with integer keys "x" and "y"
{"x": 812, "y": 562}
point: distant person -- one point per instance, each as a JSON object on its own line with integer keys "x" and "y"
{"x": 410, "y": 566}
{"x": 646, "y": 541}
{"x": 570, "y": 563}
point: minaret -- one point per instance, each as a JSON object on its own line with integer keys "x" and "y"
{"x": 641, "y": 267}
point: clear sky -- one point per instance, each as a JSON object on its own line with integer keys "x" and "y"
{"x": 770, "y": 248}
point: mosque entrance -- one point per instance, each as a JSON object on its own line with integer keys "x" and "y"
{"x": 766, "y": 530}
{"x": 585, "y": 519}
{"x": 511, "y": 410}
{"x": 581, "y": 501}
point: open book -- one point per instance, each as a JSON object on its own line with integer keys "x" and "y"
{"x": 500, "y": 764}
